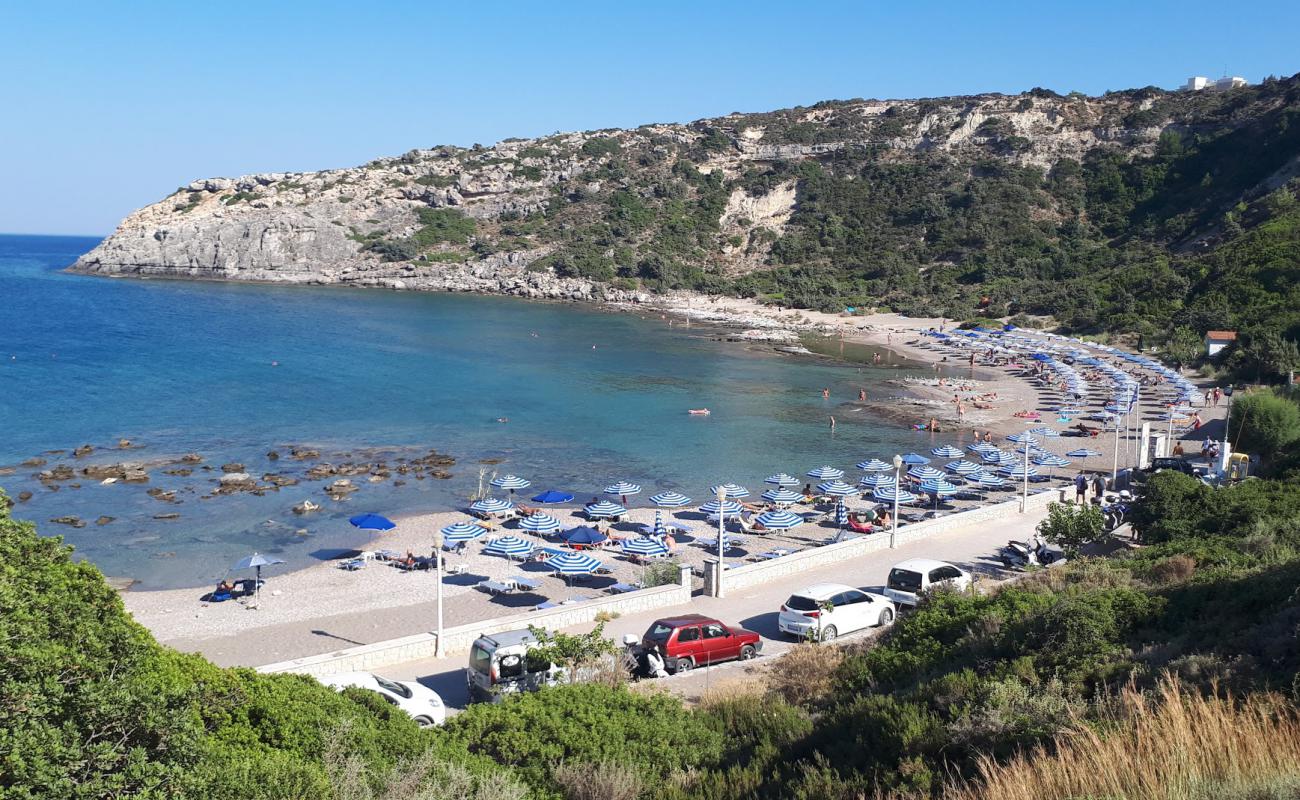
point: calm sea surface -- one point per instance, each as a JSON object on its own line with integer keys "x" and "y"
{"x": 232, "y": 372}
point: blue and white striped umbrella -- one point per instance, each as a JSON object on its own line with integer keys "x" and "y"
{"x": 989, "y": 481}
{"x": 925, "y": 473}
{"x": 511, "y": 482}
{"x": 779, "y": 520}
{"x": 573, "y": 563}
{"x": 874, "y": 465}
{"x": 947, "y": 451}
{"x": 670, "y": 500}
{"x": 1023, "y": 438}
{"x": 1083, "y": 452}
{"x": 876, "y": 479}
{"x": 937, "y": 487}
{"x": 491, "y": 505}
{"x": 727, "y": 508}
{"x": 826, "y": 473}
{"x": 462, "y": 532}
{"x": 915, "y": 458}
{"x": 886, "y": 494}
{"x": 841, "y": 514}
{"x": 837, "y": 489}
{"x": 605, "y": 509}
{"x": 981, "y": 447}
{"x": 730, "y": 490}
{"x": 622, "y": 489}
{"x": 1001, "y": 458}
{"x": 781, "y": 496}
{"x": 1050, "y": 433}
{"x": 658, "y": 529}
{"x": 508, "y": 546}
{"x": 540, "y": 522}
{"x": 964, "y": 467}
{"x": 781, "y": 479}
{"x": 1051, "y": 460}
{"x": 644, "y": 546}
{"x": 1017, "y": 471}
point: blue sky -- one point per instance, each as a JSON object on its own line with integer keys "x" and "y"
{"x": 108, "y": 106}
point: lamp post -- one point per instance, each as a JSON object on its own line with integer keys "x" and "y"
{"x": 438, "y": 650}
{"x": 898, "y": 478}
{"x": 722, "y": 533}
{"x": 1024, "y": 494}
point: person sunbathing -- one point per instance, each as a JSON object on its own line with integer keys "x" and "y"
{"x": 527, "y": 511}
{"x": 225, "y": 587}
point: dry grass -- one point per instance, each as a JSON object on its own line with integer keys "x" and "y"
{"x": 804, "y": 673}
{"x": 1174, "y": 745}
{"x": 604, "y": 781}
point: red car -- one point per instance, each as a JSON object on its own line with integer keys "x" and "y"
{"x": 694, "y": 640}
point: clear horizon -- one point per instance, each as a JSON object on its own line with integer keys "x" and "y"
{"x": 117, "y": 107}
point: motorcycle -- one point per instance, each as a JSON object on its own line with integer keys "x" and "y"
{"x": 1021, "y": 555}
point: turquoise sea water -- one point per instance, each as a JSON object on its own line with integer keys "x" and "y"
{"x": 180, "y": 366}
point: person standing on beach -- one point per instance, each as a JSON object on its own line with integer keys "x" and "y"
{"x": 1098, "y": 486}
{"x": 1080, "y": 488}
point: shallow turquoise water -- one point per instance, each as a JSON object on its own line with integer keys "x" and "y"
{"x": 187, "y": 366}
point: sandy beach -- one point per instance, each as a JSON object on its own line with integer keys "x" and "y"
{"x": 298, "y": 613}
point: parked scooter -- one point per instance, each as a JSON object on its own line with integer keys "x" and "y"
{"x": 1114, "y": 508}
{"x": 1034, "y": 553}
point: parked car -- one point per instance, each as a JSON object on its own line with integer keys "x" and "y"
{"x": 914, "y": 577}
{"x": 826, "y": 610}
{"x": 1176, "y": 463}
{"x": 694, "y": 640}
{"x": 422, "y": 703}
{"x": 498, "y": 666}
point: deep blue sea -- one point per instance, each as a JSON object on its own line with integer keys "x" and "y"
{"x": 234, "y": 371}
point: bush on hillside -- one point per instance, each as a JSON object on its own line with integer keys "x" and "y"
{"x": 1264, "y": 423}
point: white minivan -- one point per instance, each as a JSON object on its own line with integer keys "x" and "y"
{"x": 499, "y": 666}
{"x": 826, "y": 610}
{"x": 916, "y": 576}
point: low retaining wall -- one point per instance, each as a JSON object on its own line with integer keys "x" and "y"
{"x": 755, "y": 574}
{"x": 459, "y": 638}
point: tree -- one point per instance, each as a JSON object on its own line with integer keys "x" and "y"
{"x": 573, "y": 652}
{"x": 1071, "y": 527}
{"x": 1264, "y": 423}
{"x": 1183, "y": 347}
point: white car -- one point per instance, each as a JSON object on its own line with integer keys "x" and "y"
{"x": 422, "y": 703}
{"x": 827, "y": 610}
{"x": 914, "y": 577}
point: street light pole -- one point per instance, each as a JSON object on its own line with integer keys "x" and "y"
{"x": 722, "y": 533}
{"x": 438, "y": 650}
{"x": 898, "y": 485}
{"x": 1024, "y": 495}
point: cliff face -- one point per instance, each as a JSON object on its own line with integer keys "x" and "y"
{"x": 595, "y": 214}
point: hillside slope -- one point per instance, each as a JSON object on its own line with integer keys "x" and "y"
{"x": 1098, "y": 210}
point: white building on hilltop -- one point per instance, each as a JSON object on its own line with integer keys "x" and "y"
{"x": 1198, "y": 83}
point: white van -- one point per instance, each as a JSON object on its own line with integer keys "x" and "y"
{"x": 498, "y": 666}
{"x": 916, "y": 576}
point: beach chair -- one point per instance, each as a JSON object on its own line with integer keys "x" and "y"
{"x": 495, "y": 587}
{"x": 352, "y": 565}
{"x": 771, "y": 554}
{"x": 621, "y": 588}
{"x": 524, "y": 582}
{"x": 457, "y": 569}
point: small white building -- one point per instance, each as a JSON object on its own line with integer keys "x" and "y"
{"x": 1216, "y": 341}
{"x": 1196, "y": 83}
{"x": 1226, "y": 84}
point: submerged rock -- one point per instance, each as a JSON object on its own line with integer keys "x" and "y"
{"x": 170, "y": 515}
{"x": 104, "y": 520}
{"x": 233, "y": 466}
{"x": 306, "y": 507}
{"x": 191, "y": 458}
{"x": 23, "y": 497}
{"x": 34, "y": 462}
{"x": 83, "y": 451}
{"x": 76, "y": 522}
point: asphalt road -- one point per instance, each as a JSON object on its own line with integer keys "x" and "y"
{"x": 972, "y": 547}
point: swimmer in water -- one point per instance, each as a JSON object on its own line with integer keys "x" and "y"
{"x": 826, "y": 393}
{"x": 503, "y": 419}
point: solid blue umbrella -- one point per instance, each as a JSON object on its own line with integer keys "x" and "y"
{"x": 825, "y": 472}
{"x": 782, "y": 479}
{"x": 644, "y": 546}
{"x": 552, "y": 497}
{"x": 837, "y": 489}
{"x": 925, "y": 473}
{"x": 462, "y": 532}
{"x": 727, "y": 508}
{"x": 874, "y": 465}
{"x": 583, "y": 535}
{"x": 876, "y": 479}
{"x": 372, "y": 522}
{"x": 511, "y": 482}
{"x": 964, "y": 467}
{"x": 568, "y": 564}
{"x": 623, "y": 489}
{"x": 886, "y": 494}
{"x": 670, "y": 499}
{"x": 779, "y": 520}
{"x": 915, "y": 458}
{"x": 605, "y": 509}
{"x": 491, "y": 505}
{"x": 540, "y": 523}
{"x": 781, "y": 496}
{"x": 730, "y": 490}
{"x": 508, "y": 546}
{"x": 947, "y": 451}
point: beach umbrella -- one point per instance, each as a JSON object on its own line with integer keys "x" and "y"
{"x": 491, "y": 505}
{"x": 583, "y": 535}
{"x": 981, "y": 447}
{"x": 836, "y": 488}
{"x": 511, "y": 482}
{"x": 947, "y": 451}
{"x": 644, "y": 546}
{"x": 779, "y": 520}
{"x": 649, "y": 529}
{"x": 552, "y": 497}
{"x": 781, "y": 496}
{"x": 1001, "y": 458}
{"x": 1083, "y": 453}
{"x": 1050, "y": 433}
{"x": 727, "y": 508}
{"x": 462, "y": 532}
{"x": 915, "y": 458}
{"x": 372, "y": 522}
{"x": 605, "y": 509}
{"x": 964, "y": 467}
{"x": 925, "y": 473}
{"x": 658, "y": 529}
{"x": 622, "y": 489}
{"x": 568, "y": 564}
{"x": 540, "y": 523}
{"x": 988, "y": 481}
{"x": 255, "y": 562}
{"x": 1023, "y": 438}
{"x": 781, "y": 479}
{"x": 874, "y": 465}
{"x": 876, "y": 479}
{"x": 1050, "y": 460}
{"x": 508, "y": 546}
{"x": 886, "y": 494}
{"x": 841, "y": 515}
{"x": 937, "y": 486}
{"x": 825, "y": 473}
{"x": 730, "y": 490}
{"x": 670, "y": 499}
{"x": 1018, "y": 471}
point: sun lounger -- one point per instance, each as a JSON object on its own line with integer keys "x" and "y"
{"x": 352, "y": 565}
{"x": 524, "y": 582}
{"x": 546, "y": 605}
{"x": 771, "y": 554}
{"x": 457, "y": 569}
{"x": 620, "y": 588}
{"x": 495, "y": 587}
{"x": 541, "y": 554}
